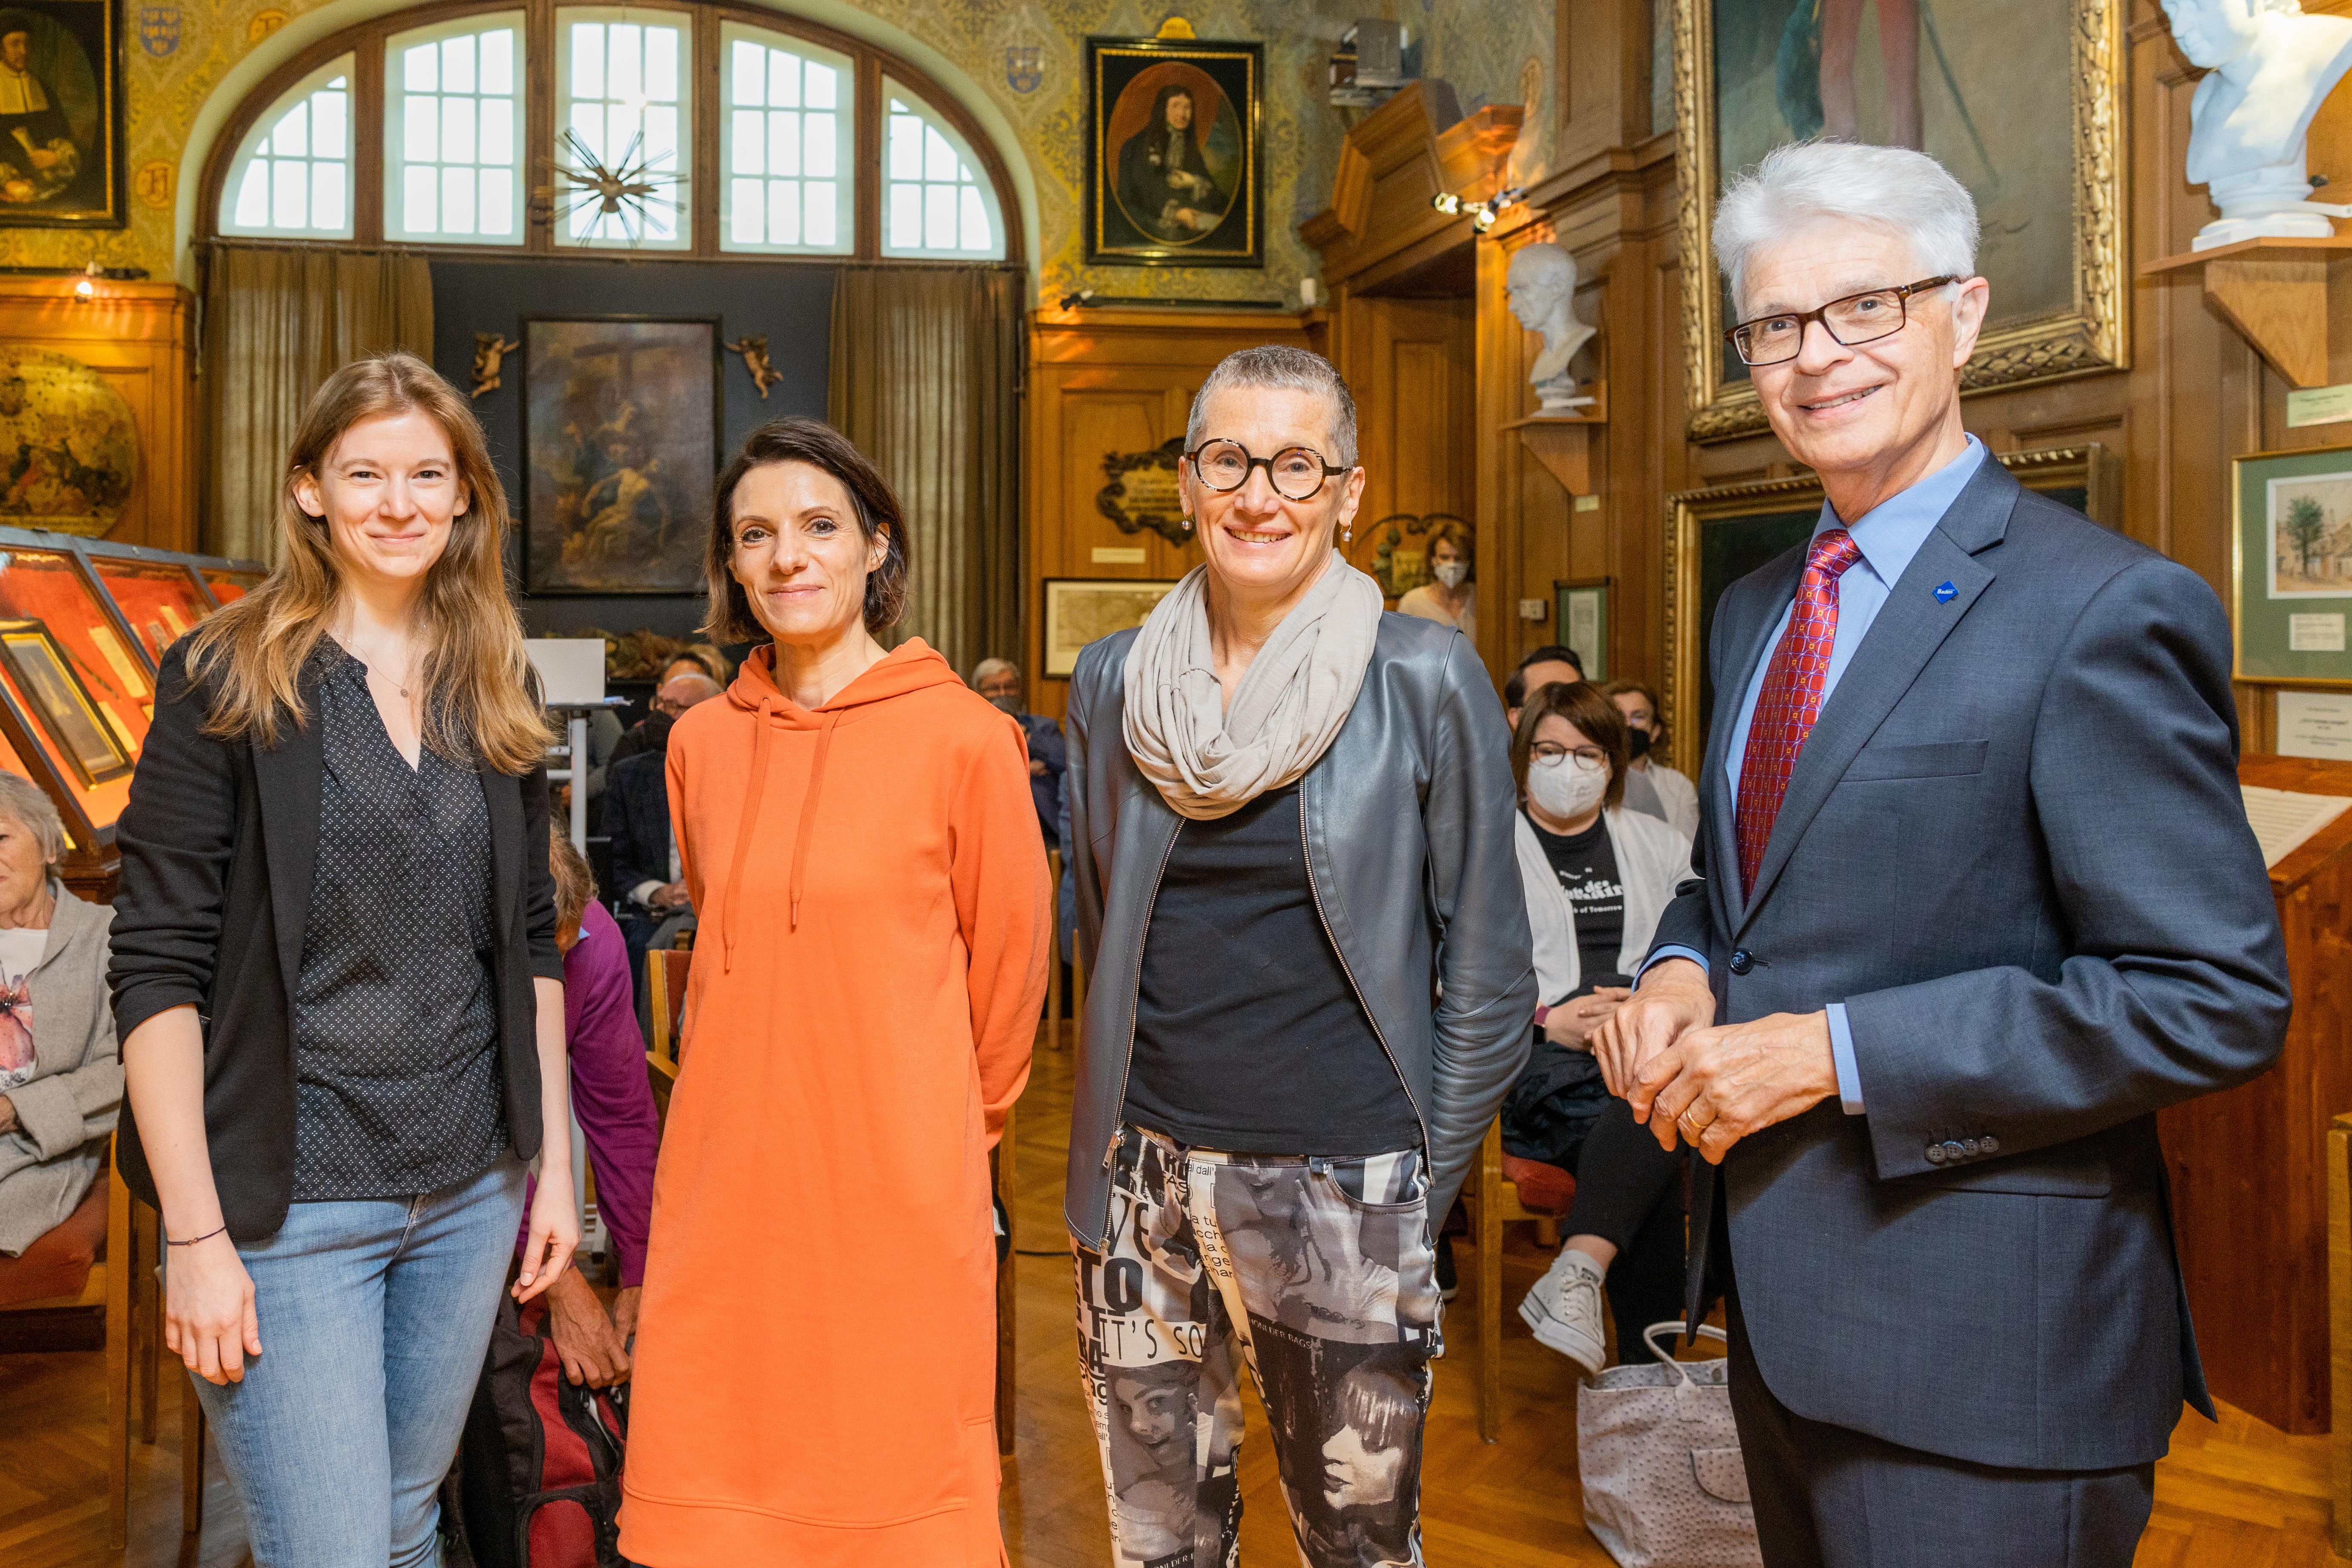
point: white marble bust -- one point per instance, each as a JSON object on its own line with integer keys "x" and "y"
{"x": 1541, "y": 288}
{"x": 2269, "y": 69}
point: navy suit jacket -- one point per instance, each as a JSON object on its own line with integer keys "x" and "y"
{"x": 2013, "y": 847}
{"x": 636, "y": 816}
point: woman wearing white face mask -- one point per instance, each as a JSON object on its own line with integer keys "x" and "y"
{"x": 1597, "y": 877}
{"x": 1448, "y": 599}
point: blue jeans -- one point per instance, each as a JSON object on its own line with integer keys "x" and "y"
{"x": 374, "y": 1319}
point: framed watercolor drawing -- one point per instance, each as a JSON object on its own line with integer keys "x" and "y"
{"x": 1173, "y": 140}
{"x": 2291, "y": 567}
{"x": 1080, "y": 610}
{"x": 61, "y": 114}
{"x": 1976, "y": 88}
{"x": 1715, "y": 537}
{"x": 1583, "y": 611}
{"x": 620, "y": 452}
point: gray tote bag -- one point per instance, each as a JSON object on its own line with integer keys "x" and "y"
{"x": 1664, "y": 1485}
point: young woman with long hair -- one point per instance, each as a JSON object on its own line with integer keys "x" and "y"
{"x": 336, "y": 979}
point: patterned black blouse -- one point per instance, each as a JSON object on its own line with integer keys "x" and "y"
{"x": 396, "y": 1023}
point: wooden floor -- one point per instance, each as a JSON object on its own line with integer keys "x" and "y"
{"x": 2235, "y": 1495}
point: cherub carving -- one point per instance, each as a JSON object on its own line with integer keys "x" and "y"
{"x": 490, "y": 350}
{"x": 764, "y": 374}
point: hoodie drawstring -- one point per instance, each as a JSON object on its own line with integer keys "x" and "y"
{"x": 745, "y": 824}
{"x": 808, "y": 814}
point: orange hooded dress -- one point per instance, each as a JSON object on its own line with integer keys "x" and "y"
{"x": 816, "y": 1352}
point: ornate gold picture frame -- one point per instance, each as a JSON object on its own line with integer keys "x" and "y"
{"x": 1982, "y": 108}
{"x": 1715, "y": 536}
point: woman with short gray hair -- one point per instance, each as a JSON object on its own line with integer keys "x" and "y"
{"x": 1291, "y": 835}
{"x": 60, "y": 1074}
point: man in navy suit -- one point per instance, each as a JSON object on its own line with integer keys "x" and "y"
{"x": 1975, "y": 899}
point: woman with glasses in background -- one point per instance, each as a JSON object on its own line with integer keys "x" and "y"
{"x": 1597, "y": 877}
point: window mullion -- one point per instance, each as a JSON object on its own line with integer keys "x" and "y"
{"x": 367, "y": 146}
{"x": 709, "y": 103}
{"x": 867, "y": 169}
{"x": 539, "y": 124}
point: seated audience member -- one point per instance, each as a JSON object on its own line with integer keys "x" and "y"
{"x": 1447, "y": 598}
{"x": 60, "y": 1075}
{"x": 1538, "y": 667}
{"x": 636, "y": 819}
{"x": 1651, "y": 787}
{"x": 999, "y": 680}
{"x": 1597, "y": 877}
{"x": 651, "y": 733}
{"x": 615, "y": 1111}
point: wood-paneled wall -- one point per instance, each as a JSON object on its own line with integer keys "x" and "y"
{"x": 1104, "y": 382}
{"x": 140, "y": 337}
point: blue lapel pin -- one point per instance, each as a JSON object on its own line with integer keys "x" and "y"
{"x": 1946, "y": 593}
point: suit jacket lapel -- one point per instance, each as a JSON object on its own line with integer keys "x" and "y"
{"x": 1908, "y": 630}
{"x": 1755, "y": 642}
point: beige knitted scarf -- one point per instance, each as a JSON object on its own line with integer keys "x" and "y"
{"x": 1208, "y": 761}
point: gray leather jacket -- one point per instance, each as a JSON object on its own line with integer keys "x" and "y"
{"x": 1408, "y": 825}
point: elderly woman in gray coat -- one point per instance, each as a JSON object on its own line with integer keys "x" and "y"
{"x": 60, "y": 1073}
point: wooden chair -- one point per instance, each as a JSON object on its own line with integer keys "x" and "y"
{"x": 665, "y": 974}
{"x": 1506, "y": 1188}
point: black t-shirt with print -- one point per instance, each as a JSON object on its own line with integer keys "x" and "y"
{"x": 1586, "y": 864}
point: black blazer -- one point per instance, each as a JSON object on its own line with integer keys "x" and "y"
{"x": 218, "y": 842}
{"x": 636, "y": 816}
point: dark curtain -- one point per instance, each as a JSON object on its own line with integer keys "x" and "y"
{"x": 278, "y": 320}
{"x": 926, "y": 379}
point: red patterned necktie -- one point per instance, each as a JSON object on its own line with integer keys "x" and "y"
{"x": 1791, "y": 697}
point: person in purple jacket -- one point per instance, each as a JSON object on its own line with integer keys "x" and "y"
{"x": 616, "y": 1109}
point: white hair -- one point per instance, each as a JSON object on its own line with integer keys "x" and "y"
{"x": 30, "y": 804}
{"x": 1892, "y": 189}
{"x": 1279, "y": 367}
{"x": 988, "y": 668}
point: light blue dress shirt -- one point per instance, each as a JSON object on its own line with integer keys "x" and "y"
{"x": 1888, "y": 535}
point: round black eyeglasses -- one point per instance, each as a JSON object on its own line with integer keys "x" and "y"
{"x": 1296, "y": 473}
{"x": 1862, "y": 318}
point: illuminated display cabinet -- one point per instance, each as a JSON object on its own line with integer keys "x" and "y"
{"x": 83, "y": 626}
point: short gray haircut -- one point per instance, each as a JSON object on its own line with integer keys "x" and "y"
{"x": 1279, "y": 367}
{"x": 28, "y": 804}
{"x": 990, "y": 666}
{"x": 1892, "y": 189}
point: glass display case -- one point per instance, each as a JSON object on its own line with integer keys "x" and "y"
{"x": 83, "y": 626}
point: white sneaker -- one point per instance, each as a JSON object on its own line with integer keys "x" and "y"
{"x": 1564, "y": 1309}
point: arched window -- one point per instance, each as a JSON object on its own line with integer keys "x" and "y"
{"x": 672, "y": 127}
{"x": 933, "y": 204}
{"x": 453, "y": 131}
{"x": 786, "y": 142}
{"x": 292, "y": 176}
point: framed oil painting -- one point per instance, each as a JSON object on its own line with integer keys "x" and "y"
{"x": 2291, "y": 569}
{"x": 1080, "y": 610}
{"x": 620, "y": 452}
{"x": 1174, "y": 175}
{"x": 61, "y": 114}
{"x": 62, "y": 703}
{"x": 1715, "y": 536}
{"x": 2020, "y": 99}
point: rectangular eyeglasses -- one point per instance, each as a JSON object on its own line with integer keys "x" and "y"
{"x": 1856, "y": 318}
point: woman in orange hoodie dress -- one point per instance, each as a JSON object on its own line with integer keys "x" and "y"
{"x": 817, "y": 1346}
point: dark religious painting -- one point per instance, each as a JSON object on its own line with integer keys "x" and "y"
{"x": 60, "y": 115}
{"x": 1173, "y": 140}
{"x": 621, "y": 435}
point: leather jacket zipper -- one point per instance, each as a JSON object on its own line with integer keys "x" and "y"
{"x": 1306, "y": 852}
{"x": 1134, "y": 1000}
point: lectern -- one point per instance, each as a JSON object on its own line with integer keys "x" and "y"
{"x": 2249, "y": 1168}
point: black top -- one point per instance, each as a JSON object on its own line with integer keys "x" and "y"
{"x": 395, "y": 1033}
{"x": 218, "y": 841}
{"x": 1586, "y": 865}
{"x": 1248, "y": 1035}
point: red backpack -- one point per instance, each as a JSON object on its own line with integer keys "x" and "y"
{"x": 537, "y": 1482}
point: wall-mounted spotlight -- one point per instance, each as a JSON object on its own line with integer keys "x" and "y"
{"x": 1482, "y": 214}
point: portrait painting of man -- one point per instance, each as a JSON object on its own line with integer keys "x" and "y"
{"x": 1172, "y": 154}
{"x": 61, "y": 161}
